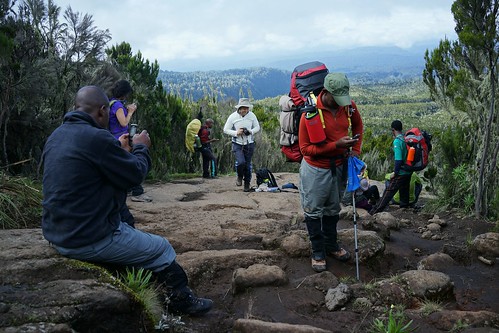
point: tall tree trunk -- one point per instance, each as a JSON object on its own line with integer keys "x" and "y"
{"x": 480, "y": 203}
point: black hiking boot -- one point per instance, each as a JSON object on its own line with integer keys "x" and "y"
{"x": 184, "y": 302}
{"x": 247, "y": 187}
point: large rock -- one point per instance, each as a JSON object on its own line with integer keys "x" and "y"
{"x": 436, "y": 262}
{"x": 388, "y": 220}
{"x": 428, "y": 284}
{"x": 41, "y": 290}
{"x": 337, "y": 297}
{"x": 205, "y": 264}
{"x": 391, "y": 291}
{"x": 447, "y": 319}
{"x": 369, "y": 243}
{"x": 296, "y": 244}
{"x": 322, "y": 281}
{"x": 487, "y": 244}
{"x": 253, "y": 325}
{"x": 258, "y": 275}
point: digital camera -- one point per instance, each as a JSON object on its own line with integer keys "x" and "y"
{"x": 132, "y": 130}
{"x": 246, "y": 131}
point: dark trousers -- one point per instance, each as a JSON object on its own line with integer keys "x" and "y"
{"x": 323, "y": 235}
{"x": 243, "y": 154}
{"x": 137, "y": 190}
{"x": 399, "y": 183}
{"x": 209, "y": 161}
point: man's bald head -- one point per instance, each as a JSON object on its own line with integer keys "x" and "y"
{"x": 90, "y": 98}
{"x": 93, "y": 100}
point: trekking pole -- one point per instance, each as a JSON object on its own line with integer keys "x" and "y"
{"x": 355, "y": 236}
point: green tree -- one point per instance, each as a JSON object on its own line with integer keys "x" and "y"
{"x": 462, "y": 78}
{"x": 47, "y": 61}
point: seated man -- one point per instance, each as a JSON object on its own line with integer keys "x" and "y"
{"x": 84, "y": 191}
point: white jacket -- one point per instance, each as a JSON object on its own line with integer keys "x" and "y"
{"x": 236, "y": 121}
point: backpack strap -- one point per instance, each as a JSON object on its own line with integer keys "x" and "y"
{"x": 349, "y": 109}
{"x": 314, "y": 99}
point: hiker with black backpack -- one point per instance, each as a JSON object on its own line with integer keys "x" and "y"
{"x": 400, "y": 179}
{"x": 242, "y": 125}
{"x": 326, "y": 145}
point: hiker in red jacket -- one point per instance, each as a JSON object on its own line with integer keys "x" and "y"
{"x": 209, "y": 160}
{"x": 323, "y": 168}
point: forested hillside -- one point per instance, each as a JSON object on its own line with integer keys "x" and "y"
{"x": 261, "y": 82}
{"x": 256, "y": 82}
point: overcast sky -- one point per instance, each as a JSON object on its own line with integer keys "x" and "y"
{"x": 187, "y": 35}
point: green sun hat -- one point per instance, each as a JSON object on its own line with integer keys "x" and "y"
{"x": 337, "y": 84}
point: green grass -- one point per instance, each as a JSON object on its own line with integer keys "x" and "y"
{"x": 396, "y": 322}
{"x": 429, "y": 307}
{"x": 139, "y": 282}
{"x": 20, "y": 202}
{"x": 459, "y": 326}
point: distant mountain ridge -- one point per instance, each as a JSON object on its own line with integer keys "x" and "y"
{"x": 362, "y": 65}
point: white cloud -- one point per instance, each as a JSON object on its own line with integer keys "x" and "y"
{"x": 171, "y": 31}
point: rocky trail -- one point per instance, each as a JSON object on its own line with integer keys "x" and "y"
{"x": 249, "y": 252}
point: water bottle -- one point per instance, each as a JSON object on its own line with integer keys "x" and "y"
{"x": 197, "y": 142}
{"x": 315, "y": 128}
{"x": 410, "y": 155}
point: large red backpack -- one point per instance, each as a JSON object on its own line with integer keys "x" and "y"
{"x": 420, "y": 143}
{"x": 306, "y": 79}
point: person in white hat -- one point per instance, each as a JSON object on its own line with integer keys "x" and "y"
{"x": 242, "y": 125}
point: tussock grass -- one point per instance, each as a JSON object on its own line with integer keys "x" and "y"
{"x": 139, "y": 282}
{"x": 20, "y": 202}
{"x": 428, "y": 307}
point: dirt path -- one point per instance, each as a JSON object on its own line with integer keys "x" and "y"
{"x": 216, "y": 228}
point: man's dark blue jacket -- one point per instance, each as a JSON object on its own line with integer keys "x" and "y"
{"x": 85, "y": 180}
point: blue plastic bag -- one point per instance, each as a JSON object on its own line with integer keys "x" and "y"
{"x": 355, "y": 166}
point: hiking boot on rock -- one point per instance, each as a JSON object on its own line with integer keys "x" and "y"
{"x": 185, "y": 302}
{"x": 239, "y": 181}
{"x": 247, "y": 187}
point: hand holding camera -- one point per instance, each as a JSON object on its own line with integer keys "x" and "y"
{"x": 132, "y": 130}
{"x": 246, "y": 131}
{"x": 135, "y": 138}
{"x": 142, "y": 138}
